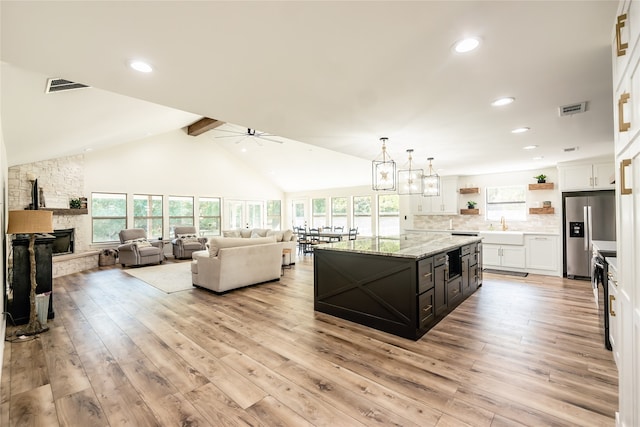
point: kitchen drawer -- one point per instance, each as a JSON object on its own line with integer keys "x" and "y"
{"x": 439, "y": 259}
{"x": 473, "y": 259}
{"x": 425, "y": 274}
{"x": 467, "y": 249}
{"x": 427, "y": 314}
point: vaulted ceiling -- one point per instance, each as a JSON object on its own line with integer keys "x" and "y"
{"x": 325, "y": 76}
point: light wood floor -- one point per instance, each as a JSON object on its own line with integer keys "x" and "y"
{"x": 518, "y": 352}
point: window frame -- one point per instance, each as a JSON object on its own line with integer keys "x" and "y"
{"x": 149, "y": 218}
{"x": 203, "y": 230}
{"x": 122, "y": 217}
{"x": 521, "y": 213}
{"x": 171, "y": 223}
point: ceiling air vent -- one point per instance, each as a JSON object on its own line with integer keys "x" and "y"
{"x": 58, "y": 85}
{"x": 568, "y": 110}
{"x": 570, "y": 149}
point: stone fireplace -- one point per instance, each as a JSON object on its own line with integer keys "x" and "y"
{"x": 60, "y": 180}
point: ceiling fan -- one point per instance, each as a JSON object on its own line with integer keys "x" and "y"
{"x": 257, "y": 136}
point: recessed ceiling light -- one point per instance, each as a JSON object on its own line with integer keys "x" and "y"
{"x": 530, "y": 147}
{"x": 503, "y": 101}
{"x": 520, "y": 130}
{"x": 466, "y": 45}
{"x": 538, "y": 158}
{"x": 86, "y": 150}
{"x": 141, "y": 66}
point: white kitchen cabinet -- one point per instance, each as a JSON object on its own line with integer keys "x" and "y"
{"x": 586, "y": 176}
{"x": 444, "y": 204}
{"x": 542, "y": 252}
{"x": 499, "y": 256}
{"x": 626, "y": 125}
{"x": 614, "y": 329}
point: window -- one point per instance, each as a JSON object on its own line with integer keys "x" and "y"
{"x": 209, "y": 216}
{"x": 318, "y": 212}
{"x": 235, "y": 214}
{"x": 298, "y": 214}
{"x": 274, "y": 214}
{"x": 180, "y": 212}
{"x": 508, "y": 202}
{"x": 255, "y": 212}
{"x": 108, "y": 216}
{"x": 147, "y": 214}
{"x": 388, "y": 215}
{"x": 362, "y": 215}
{"x": 339, "y": 212}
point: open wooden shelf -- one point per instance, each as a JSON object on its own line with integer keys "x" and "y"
{"x": 473, "y": 190}
{"x": 545, "y": 186}
{"x": 469, "y": 211}
{"x": 541, "y": 211}
{"x": 60, "y": 211}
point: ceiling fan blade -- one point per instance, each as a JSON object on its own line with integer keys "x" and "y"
{"x": 231, "y": 131}
{"x": 241, "y": 139}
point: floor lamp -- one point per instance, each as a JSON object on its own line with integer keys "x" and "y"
{"x": 31, "y": 222}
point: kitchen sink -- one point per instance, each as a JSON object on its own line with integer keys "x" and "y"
{"x": 502, "y": 237}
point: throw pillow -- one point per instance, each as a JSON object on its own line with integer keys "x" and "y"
{"x": 245, "y": 232}
{"x": 140, "y": 242}
{"x": 231, "y": 233}
{"x": 279, "y": 235}
{"x": 188, "y": 238}
{"x": 288, "y": 234}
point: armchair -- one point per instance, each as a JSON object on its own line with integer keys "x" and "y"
{"x": 135, "y": 249}
{"x": 186, "y": 242}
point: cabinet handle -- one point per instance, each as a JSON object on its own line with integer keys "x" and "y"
{"x": 427, "y": 308}
{"x": 623, "y": 185}
{"x": 621, "y": 48}
{"x": 426, "y": 275}
{"x": 622, "y": 125}
{"x": 611, "y": 300}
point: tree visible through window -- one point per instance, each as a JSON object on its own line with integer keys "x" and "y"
{"x": 180, "y": 212}
{"x": 388, "y": 215}
{"x": 362, "y": 215}
{"x": 274, "y": 214}
{"x": 209, "y": 216}
{"x": 339, "y": 212}
{"x": 319, "y": 212}
{"x": 508, "y": 202}
{"x": 108, "y": 216}
{"x": 147, "y": 214}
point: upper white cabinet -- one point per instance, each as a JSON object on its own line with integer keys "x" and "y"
{"x": 444, "y": 204}
{"x": 586, "y": 176}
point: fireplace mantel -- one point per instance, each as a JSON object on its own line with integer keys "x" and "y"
{"x": 61, "y": 211}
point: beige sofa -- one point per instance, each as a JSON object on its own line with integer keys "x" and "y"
{"x": 286, "y": 239}
{"x": 231, "y": 263}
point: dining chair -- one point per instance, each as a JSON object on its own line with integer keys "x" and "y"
{"x": 353, "y": 233}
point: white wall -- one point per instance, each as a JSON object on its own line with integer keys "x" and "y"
{"x": 175, "y": 164}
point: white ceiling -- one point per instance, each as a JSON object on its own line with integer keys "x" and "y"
{"x": 332, "y": 75}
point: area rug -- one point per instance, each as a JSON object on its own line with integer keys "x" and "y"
{"x": 169, "y": 277}
{"x": 506, "y": 273}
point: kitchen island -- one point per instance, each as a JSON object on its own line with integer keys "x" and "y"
{"x": 402, "y": 285}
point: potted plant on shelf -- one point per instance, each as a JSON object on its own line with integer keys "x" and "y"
{"x": 542, "y": 178}
{"x": 471, "y": 204}
{"x": 75, "y": 203}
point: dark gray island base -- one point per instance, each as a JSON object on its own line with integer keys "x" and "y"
{"x": 402, "y": 285}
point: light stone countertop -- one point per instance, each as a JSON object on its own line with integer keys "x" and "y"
{"x": 413, "y": 245}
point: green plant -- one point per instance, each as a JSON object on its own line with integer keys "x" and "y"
{"x": 75, "y": 203}
{"x": 540, "y": 177}
{"x": 471, "y": 204}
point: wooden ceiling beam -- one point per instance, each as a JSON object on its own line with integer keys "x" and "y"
{"x": 203, "y": 125}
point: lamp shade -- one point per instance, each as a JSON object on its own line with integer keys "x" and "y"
{"x": 30, "y": 221}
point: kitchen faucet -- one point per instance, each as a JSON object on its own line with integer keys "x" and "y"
{"x": 503, "y": 222}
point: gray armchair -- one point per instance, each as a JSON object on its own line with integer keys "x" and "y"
{"x": 186, "y": 242}
{"x": 135, "y": 249}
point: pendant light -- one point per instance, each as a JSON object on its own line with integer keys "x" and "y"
{"x": 410, "y": 180}
{"x": 431, "y": 182}
{"x": 383, "y": 171}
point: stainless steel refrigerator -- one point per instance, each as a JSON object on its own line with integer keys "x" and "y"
{"x": 588, "y": 215}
